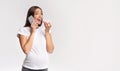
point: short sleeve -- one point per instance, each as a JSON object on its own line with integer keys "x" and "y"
{"x": 21, "y": 31}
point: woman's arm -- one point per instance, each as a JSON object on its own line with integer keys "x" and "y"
{"x": 26, "y": 44}
{"x": 49, "y": 43}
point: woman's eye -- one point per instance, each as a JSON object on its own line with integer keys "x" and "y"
{"x": 36, "y": 14}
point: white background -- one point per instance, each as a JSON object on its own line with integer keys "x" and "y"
{"x": 86, "y": 34}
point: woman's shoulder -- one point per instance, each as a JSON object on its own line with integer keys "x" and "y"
{"x": 26, "y": 29}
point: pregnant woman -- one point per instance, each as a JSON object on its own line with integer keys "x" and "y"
{"x": 36, "y": 41}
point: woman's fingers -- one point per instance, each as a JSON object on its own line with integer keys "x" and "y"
{"x": 47, "y": 26}
{"x": 34, "y": 25}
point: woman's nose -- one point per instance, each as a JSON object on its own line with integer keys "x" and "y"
{"x": 40, "y": 16}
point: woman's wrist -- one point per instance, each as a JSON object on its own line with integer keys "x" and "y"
{"x": 32, "y": 32}
{"x": 47, "y": 33}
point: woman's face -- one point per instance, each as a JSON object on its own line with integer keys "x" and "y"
{"x": 38, "y": 16}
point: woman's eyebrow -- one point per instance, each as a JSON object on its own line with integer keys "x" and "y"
{"x": 38, "y": 12}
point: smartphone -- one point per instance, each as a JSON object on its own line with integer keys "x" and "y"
{"x": 30, "y": 19}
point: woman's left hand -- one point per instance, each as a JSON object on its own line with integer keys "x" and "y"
{"x": 47, "y": 26}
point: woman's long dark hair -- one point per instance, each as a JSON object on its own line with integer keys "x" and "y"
{"x": 31, "y": 11}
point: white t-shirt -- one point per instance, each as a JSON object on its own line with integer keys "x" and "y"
{"x": 37, "y": 58}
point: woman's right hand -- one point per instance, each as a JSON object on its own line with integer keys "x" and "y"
{"x": 34, "y": 26}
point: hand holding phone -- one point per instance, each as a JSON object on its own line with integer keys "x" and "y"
{"x": 34, "y": 26}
